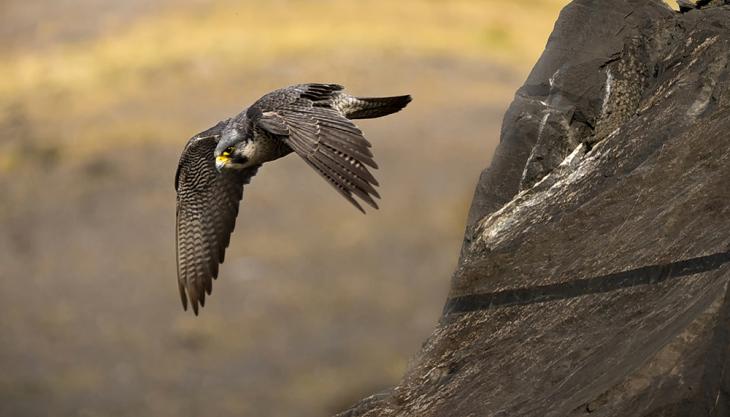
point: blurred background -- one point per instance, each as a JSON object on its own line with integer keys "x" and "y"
{"x": 317, "y": 305}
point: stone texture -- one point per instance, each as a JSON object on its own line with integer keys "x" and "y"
{"x": 687, "y": 5}
{"x": 593, "y": 276}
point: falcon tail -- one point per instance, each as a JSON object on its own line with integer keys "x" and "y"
{"x": 372, "y": 107}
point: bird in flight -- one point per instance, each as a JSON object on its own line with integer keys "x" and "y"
{"x": 312, "y": 120}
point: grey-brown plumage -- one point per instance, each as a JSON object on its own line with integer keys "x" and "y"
{"x": 312, "y": 120}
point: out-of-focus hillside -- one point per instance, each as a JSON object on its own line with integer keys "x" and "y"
{"x": 219, "y": 50}
{"x": 317, "y": 305}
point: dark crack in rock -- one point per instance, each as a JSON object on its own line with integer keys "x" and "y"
{"x": 594, "y": 273}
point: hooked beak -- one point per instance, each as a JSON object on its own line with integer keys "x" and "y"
{"x": 221, "y": 161}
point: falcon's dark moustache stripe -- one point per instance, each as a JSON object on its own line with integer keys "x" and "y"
{"x": 605, "y": 283}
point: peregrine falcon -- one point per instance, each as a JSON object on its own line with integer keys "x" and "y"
{"x": 312, "y": 120}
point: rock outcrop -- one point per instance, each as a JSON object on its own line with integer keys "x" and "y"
{"x": 594, "y": 273}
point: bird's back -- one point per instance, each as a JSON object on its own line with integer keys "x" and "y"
{"x": 304, "y": 94}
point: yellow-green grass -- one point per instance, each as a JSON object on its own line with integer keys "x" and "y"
{"x": 252, "y": 33}
{"x": 68, "y": 87}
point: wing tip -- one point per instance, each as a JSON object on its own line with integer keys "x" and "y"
{"x": 189, "y": 295}
{"x": 370, "y": 202}
{"x": 183, "y": 296}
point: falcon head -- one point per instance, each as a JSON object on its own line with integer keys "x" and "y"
{"x": 229, "y": 153}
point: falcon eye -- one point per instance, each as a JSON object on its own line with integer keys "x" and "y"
{"x": 229, "y": 150}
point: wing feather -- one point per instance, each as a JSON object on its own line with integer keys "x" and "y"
{"x": 337, "y": 184}
{"x": 207, "y": 206}
{"x": 327, "y": 141}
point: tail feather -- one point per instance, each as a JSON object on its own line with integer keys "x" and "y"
{"x": 371, "y": 107}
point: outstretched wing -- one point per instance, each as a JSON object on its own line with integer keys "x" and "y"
{"x": 327, "y": 141}
{"x": 207, "y": 205}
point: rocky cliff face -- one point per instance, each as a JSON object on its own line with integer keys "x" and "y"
{"x": 593, "y": 276}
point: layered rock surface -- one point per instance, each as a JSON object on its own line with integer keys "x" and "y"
{"x": 593, "y": 276}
